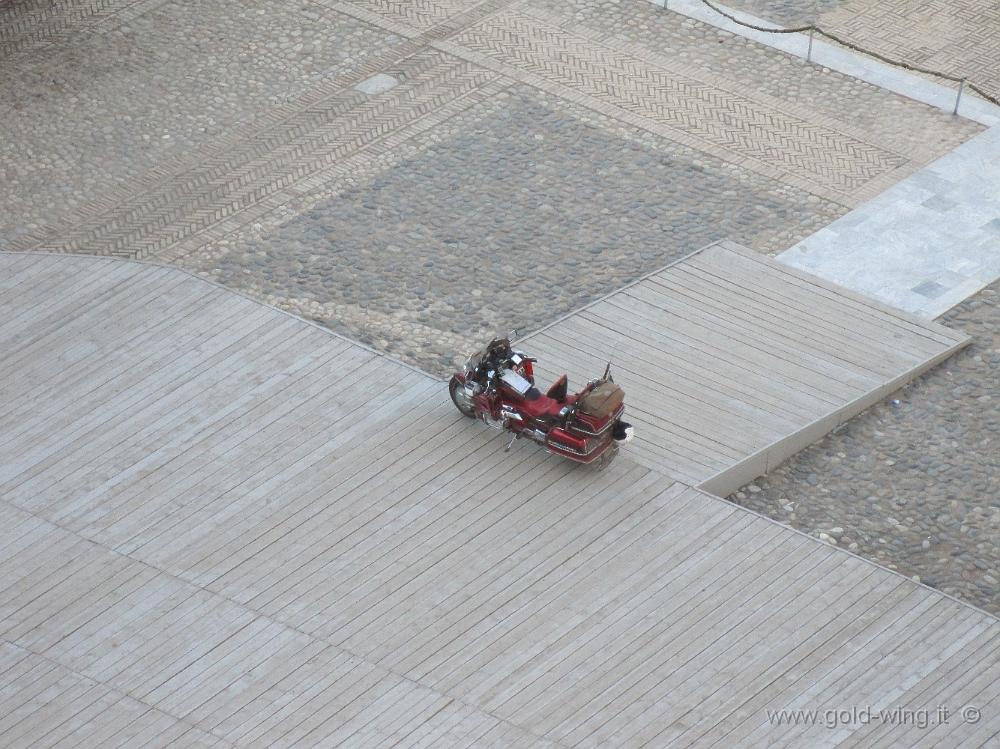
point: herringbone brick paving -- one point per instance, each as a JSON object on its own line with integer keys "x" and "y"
{"x": 323, "y": 136}
{"x": 115, "y": 114}
{"x": 959, "y": 38}
{"x": 717, "y": 117}
{"x": 420, "y": 14}
{"x": 246, "y": 169}
{"x": 29, "y": 25}
{"x": 275, "y": 159}
{"x": 956, "y": 37}
{"x": 269, "y": 213}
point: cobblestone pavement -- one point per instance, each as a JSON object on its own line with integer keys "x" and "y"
{"x": 735, "y": 63}
{"x": 422, "y": 268}
{"x": 105, "y": 113}
{"x": 552, "y": 150}
{"x": 958, "y": 37}
{"x": 914, "y": 482}
{"x": 516, "y": 160}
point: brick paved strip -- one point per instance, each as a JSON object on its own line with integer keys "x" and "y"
{"x": 353, "y": 10}
{"x": 617, "y": 113}
{"x": 419, "y": 14}
{"x": 79, "y": 224}
{"x": 818, "y": 158}
{"x": 421, "y": 20}
{"x": 364, "y": 164}
{"x": 171, "y": 169}
{"x": 958, "y": 37}
{"x": 25, "y": 26}
{"x": 272, "y": 160}
{"x": 706, "y": 74}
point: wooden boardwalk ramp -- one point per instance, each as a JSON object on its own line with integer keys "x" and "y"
{"x": 221, "y": 526}
{"x": 732, "y": 362}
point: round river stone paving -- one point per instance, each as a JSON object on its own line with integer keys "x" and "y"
{"x": 514, "y": 219}
{"x": 914, "y": 482}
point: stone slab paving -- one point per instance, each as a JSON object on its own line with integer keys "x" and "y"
{"x": 925, "y": 244}
{"x": 929, "y": 241}
{"x": 210, "y": 137}
{"x": 786, "y": 12}
{"x": 911, "y": 483}
{"x": 915, "y": 481}
{"x": 221, "y": 525}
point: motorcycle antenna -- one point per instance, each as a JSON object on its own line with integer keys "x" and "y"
{"x": 607, "y": 369}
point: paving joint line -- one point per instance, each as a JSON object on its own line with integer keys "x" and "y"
{"x": 231, "y": 290}
{"x": 82, "y": 676}
{"x": 708, "y": 77}
{"x": 268, "y": 618}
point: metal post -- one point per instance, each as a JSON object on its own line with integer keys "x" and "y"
{"x": 812, "y": 28}
{"x": 961, "y": 87}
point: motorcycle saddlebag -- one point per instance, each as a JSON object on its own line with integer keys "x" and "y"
{"x": 602, "y": 401}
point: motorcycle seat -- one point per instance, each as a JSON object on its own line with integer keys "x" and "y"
{"x": 540, "y": 406}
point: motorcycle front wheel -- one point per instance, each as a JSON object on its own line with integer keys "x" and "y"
{"x": 460, "y": 398}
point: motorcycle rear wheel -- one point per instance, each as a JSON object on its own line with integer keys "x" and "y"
{"x": 606, "y": 457}
{"x": 462, "y": 401}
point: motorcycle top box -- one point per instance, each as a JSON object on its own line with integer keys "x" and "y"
{"x": 497, "y": 386}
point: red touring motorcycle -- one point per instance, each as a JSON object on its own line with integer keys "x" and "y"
{"x": 497, "y": 385}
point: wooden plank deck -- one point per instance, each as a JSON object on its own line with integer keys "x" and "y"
{"x": 733, "y": 362}
{"x": 222, "y": 526}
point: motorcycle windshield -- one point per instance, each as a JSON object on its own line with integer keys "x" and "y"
{"x": 478, "y": 357}
{"x": 475, "y": 359}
